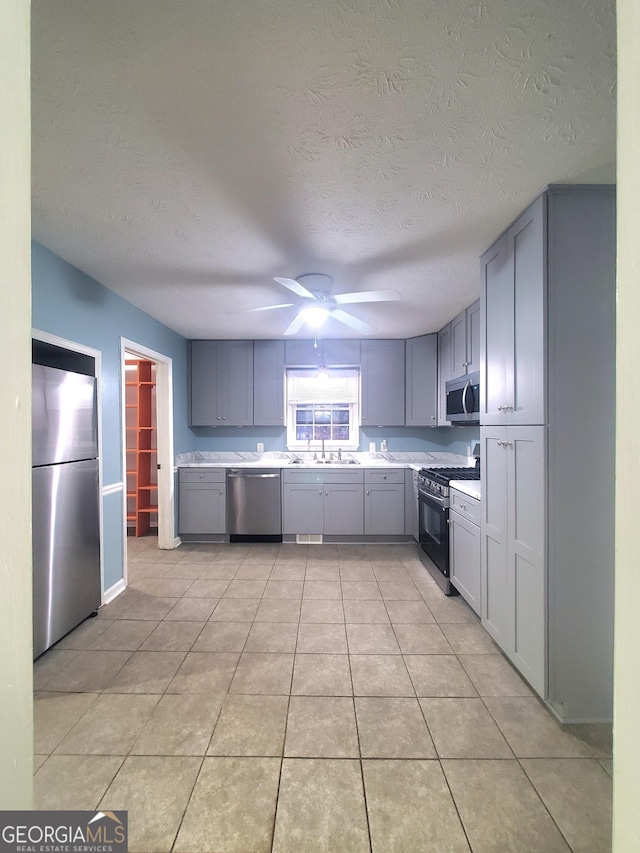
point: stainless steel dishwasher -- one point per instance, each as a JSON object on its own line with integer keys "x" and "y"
{"x": 253, "y": 504}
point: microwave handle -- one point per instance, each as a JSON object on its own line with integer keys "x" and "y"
{"x": 464, "y": 399}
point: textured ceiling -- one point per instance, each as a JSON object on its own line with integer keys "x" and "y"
{"x": 185, "y": 153}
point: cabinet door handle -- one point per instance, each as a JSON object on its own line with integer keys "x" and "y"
{"x": 327, "y": 494}
{"x": 202, "y": 476}
{"x": 320, "y": 492}
{"x": 367, "y": 492}
{"x": 384, "y": 476}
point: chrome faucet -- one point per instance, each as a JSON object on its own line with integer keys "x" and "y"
{"x": 322, "y": 455}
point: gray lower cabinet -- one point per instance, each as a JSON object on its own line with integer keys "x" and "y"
{"x": 221, "y": 383}
{"x": 382, "y": 383}
{"x": 342, "y": 509}
{"x": 322, "y": 502}
{"x": 464, "y": 547}
{"x": 513, "y": 535}
{"x": 268, "y": 383}
{"x": 302, "y": 508}
{"x": 411, "y": 503}
{"x": 384, "y": 510}
{"x": 202, "y": 501}
{"x": 421, "y": 377}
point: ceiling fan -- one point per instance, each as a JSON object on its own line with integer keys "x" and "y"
{"x": 318, "y": 303}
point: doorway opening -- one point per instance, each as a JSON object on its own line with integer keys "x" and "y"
{"x": 141, "y": 436}
{"x": 147, "y": 442}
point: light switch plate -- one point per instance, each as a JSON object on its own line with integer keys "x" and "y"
{"x": 260, "y": 447}
{"x": 372, "y": 447}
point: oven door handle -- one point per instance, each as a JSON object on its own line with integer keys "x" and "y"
{"x": 440, "y": 502}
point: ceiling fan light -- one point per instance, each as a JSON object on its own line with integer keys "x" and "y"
{"x": 314, "y": 316}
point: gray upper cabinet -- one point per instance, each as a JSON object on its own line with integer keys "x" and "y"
{"x": 268, "y": 383}
{"x": 330, "y": 352}
{"x": 465, "y": 341}
{"x": 421, "y": 393}
{"x": 472, "y": 318}
{"x": 444, "y": 372}
{"x": 382, "y": 383}
{"x": 221, "y": 383}
{"x": 459, "y": 345}
{"x": 513, "y": 332}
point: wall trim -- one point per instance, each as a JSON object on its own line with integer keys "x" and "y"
{"x": 114, "y": 591}
{"x": 164, "y": 421}
{"x": 112, "y": 489}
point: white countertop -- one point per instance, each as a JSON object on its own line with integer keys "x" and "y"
{"x": 284, "y": 459}
{"x": 471, "y": 488}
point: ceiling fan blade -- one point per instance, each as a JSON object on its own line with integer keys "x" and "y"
{"x": 354, "y": 322}
{"x": 266, "y": 308}
{"x": 295, "y": 286}
{"x": 367, "y": 296}
{"x": 295, "y": 325}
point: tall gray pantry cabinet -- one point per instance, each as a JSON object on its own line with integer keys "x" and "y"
{"x": 547, "y": 434}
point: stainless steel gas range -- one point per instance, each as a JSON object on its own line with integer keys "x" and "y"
{"x": 433, "y": 516}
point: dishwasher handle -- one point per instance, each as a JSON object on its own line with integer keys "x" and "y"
{"x": 241, "y": 475}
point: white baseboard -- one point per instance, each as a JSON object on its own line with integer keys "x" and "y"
{"x": 114, "y": 591}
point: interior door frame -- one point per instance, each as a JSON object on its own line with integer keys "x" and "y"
{"x": 164, "y": 423}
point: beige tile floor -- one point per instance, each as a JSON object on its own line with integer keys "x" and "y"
{"x": 240, "y": 698}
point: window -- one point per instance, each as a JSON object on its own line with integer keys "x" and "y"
{"x": 322, "y": 405}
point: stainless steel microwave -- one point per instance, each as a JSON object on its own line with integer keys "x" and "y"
{"x": 463, "y": 399}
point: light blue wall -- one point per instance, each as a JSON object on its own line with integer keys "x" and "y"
{"x": 71, "y": 305}
{"x": 452, "y": 439}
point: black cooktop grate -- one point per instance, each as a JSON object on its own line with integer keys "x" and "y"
{"x": 443, "y": 475}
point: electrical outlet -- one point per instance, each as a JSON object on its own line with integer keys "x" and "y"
{"x": 372, "y": 447}
{"x": 383, "y": 445}
{"x": 260, "y": 447}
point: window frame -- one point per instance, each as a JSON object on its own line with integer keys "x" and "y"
{"x": 315, "y": 445}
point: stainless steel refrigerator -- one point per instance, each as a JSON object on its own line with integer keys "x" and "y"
{"x": 66, "y": 523}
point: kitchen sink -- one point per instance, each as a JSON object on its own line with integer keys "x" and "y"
{"x": 325, "y": 462}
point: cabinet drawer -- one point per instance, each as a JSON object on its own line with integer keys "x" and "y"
{"x": 384, "y": 475}
{"x": 201, "y": 475}
{"x": 466, "y": 506}
{"x": 301, "y": 475}
{"x": 342, "y": 476}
